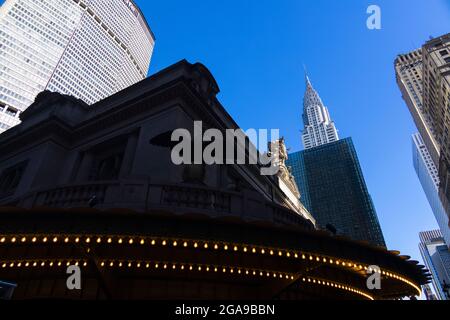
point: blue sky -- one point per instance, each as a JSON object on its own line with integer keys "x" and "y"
{"x": 256, "y": 49}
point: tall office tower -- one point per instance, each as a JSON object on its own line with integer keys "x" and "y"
{"x": 437, "y": 259}
{"x": 334, "y": 190}
{"x": 436, "y": 101}
{"x": 90, "y": 49}
{"x": 408, "y": 69}
{"x": 319, "y": 128}
{"x": 429, "y": 178}
{"x": 424, "y": 79}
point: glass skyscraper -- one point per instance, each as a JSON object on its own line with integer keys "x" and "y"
{"x": 333, "y": 189}
{"x": 429, "y": 178}
{"x": 90, "y": 49}
{"x": 436, "y": 256}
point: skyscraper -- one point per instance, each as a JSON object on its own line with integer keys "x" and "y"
{"x": 437, "y": 259}
{"x": 334, "y": 190}
{"x": 429, "y": 178}
{"x": 329, "y": 176}
{"x": 319, "y": 127}
{"x": 423, "y": 77}
{"x": 90, "y": 49}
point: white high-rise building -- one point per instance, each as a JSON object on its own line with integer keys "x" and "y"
{"x": 90, "y": 49}
{"x": 429, "y": 178}
{"x": 319, "y": 128}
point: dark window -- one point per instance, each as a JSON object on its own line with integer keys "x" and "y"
{"x": 108, "y": 168}
{"x": 11, "y": 112}
{"x": 10, "y": 179}
{"x": 108, "y": 159}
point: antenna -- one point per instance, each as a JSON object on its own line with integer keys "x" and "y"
{"x": 306, "y": 74}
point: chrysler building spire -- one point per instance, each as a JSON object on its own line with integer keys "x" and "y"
{"x": 319, "y": 127}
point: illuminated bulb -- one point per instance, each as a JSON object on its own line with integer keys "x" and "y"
{"x": 324, "y": 260}
{"x": 303, "y": 257}
{"x": 224, "y": 270}
{"x": 231, "y": 271}
{"x": 310, "y": 258}
{"x": 185, "y": 244}
{"x": 59, "y": 264}
{"x": 318, "y": 259}
{"x": 111, "y": 264}
{"x": 207, "y": 269}
{"x": 102, "y": 264}
{"x": 153, "y": 242}
{"x": 43, "y": 264}
{"x": 120, "y": 264}
{"x": 199, "y": 268}
{"x": 109, "y": 240}
{"x": 288, "y": 254}
{"x": 138, "y": 265}
{"x": 280, "y": 253}
{"x": 34, "y": 239}
{"x": 13, "y": 240}
{"x": 216, "y": 247}
{"x": 226, "y": 248}
{"x": 55, "y": 239}
{"x": 77, "y": 240}
{"x": 130, "y": 241}
{"x": 271, "y": 252}
{"x": 215, "y": 270}
{"x": 156, "y": 266}
{"x": 34, "y": 264}
{"x": 182, "y": 267}
{"x": 191, "y": 268}
{"x": 99, "y": 240}
{"x": 246, "y": 272}
{"x": 142, "y": 241}
{"x": 11, "y": 265}
{"x": 206, "y": 246}
{"x": 254, "y": 250}
{"x": 85, "y": 264}
{"x": 263, "y": 251}
{"x": 66, "y": 240}
{"x": 196, "y": 245}
{"x": 120, "y": 241}
{"x": 45, "y": 239}
{"x": 129, "y": 265}
{"x": 245, "y": 249}
{"x": 175, "y": 243}
{"x": 3, "y": 240}
{"x": 239, "y": 271}
{"x": 296, "y": 256}
{"x": 165, "y": 266}
{"x": 24, "y": 239}
{"x": 235, "y": 248}
{"x": 88, "y": 240}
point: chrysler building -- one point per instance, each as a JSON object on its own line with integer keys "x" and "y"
{"x": 319, "y": 127}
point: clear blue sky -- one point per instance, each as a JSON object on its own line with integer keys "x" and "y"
{"x": 256, "y": 49}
